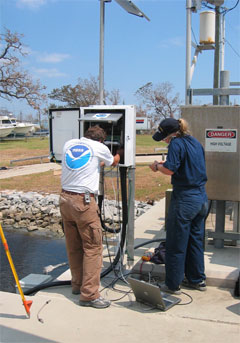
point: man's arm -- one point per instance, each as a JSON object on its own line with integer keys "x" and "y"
{"x": 116, "y": 159}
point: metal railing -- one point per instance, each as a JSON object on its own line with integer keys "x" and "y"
{"x": 30, "y": 158}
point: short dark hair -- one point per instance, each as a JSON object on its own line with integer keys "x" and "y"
{"x": 96, "y": 133}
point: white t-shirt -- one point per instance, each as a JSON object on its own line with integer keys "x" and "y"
{"x": 81, "y": 164}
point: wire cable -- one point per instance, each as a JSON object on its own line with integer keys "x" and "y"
{"x": 230, "y": 9}
{"x": 187, "y": 303}
{"x": 40, "y": 319}
{"x": 232, "y": 48}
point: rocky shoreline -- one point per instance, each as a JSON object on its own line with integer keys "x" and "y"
{"x": 40, "y": 213}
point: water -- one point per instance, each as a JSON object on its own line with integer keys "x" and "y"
{"x": 30, "y": 253}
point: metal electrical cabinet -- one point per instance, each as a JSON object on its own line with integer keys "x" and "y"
{"x": 217, "y": 128}
{"x": 63, "y": 125}
{"x": 119, "y": 122}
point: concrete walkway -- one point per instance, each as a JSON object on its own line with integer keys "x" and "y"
{"x": 29, "y": 169}
{"x": 213, "y": 315}
{"x": 208, "y": 316}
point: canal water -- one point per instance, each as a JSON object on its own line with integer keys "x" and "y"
{"x": 30, "y": 253}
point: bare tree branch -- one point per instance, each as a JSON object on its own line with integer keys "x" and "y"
{"x": 16, "y": 82}
{"x": 158, "y": 102}
{"x": 84, "y": 94}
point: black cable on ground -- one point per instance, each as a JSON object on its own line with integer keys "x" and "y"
{"x": 148, "y": 242}
{"x": 123, "y": 177}
{"x": 68, "y": 282}
{"x": 47, "y": 285}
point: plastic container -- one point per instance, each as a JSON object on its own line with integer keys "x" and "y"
{"x": 207, "y": 27}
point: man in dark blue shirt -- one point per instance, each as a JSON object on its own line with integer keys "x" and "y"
{"x": 188, "y": 207}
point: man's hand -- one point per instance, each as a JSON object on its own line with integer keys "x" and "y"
{"x": 116, "y": 159}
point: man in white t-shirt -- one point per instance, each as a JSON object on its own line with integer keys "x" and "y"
{"x": 81, "y": 162}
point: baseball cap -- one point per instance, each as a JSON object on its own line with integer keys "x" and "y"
{"x": 165, "y": 128}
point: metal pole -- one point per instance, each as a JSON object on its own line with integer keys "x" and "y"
{"x": 221, "y": 204}
{"x": 216, "y": 54}
{"x": 101, "y": 53}
{"x": 220, "y": 222}
{"x": 131, "y": 210}
{"x": 188, "y": 50}
{"x": 101, "y": 81}
{"x": 224, "y": 83}
{"x": 222, "y": 44}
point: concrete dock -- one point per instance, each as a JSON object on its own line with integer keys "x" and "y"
{"x": 200, "y": 317}
{"x": 208, "y": 316}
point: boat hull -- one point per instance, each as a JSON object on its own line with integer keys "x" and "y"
{"x": 5, "y": 131}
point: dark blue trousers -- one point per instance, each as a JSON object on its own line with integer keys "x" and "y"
{"x": 185, "y": 237}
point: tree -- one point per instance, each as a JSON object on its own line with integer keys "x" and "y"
{"x": 84, "y": 94}
{"x": 16, "y": 82}
{"x": 158, "y": 101}
{"x": 114, "y": 97}
{"x": 140, "y": 112}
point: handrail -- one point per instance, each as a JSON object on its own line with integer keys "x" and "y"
{"x": 30, "y": 158}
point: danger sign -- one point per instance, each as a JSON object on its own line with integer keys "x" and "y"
{"x": 221, "y": 140}
{"x": 221, "y": 133}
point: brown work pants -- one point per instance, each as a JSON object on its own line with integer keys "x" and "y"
{"x": 83, "y": 233}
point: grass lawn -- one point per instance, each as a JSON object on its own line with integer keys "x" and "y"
{"x": 148, "y": 185}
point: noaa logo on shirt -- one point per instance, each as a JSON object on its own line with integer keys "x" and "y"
{"x": 77, "y": 156}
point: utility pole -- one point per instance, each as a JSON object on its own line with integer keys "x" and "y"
{"x": 128, "y": 6}
{"x": 220, "y": 204}
{"x": 101, "y": 52}
{"x": 217, "y": 54}
{"x": 222, "y": 44}
{"x": 188, "y": 50}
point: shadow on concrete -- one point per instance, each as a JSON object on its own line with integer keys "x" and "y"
{"x": 234, "y": 308}
{"x": 17, "y": 336}
{"x": 138, "y": 307}
{"x": 227, "y": 256}
{"x": 12, "y": 316}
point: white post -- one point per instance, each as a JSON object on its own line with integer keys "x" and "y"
{"x": 222, "y": 42}
{"x": 101, "y": 53}
{"x": 188, "y": 50}
{"x": 194, "y": 62}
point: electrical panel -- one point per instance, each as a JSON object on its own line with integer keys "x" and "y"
{"x": 217, "y": 129}
{"x": 118, "y": 121}
{"x": 63, "y": 126}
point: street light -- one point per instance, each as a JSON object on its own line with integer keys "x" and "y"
{"x": 130, "y": 8}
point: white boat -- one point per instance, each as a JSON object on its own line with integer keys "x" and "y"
{"x": 21, "y": 128}
{"x": 5, "y": 131}
{"x": 18, "y": 128}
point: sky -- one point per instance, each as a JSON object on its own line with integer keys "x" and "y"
{"x": 62, "y": 39}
